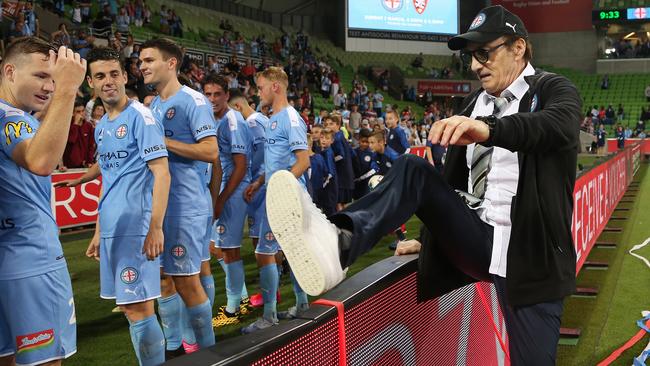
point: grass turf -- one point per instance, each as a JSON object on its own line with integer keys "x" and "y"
{"x": 609, "y": 320}
{"x": 103, "y": 336}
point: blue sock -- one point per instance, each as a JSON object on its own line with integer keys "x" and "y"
{"x": 187, "y": 331}
{"x": 269, "y": 284}
{"x": 234, "y": 283}
{"x": 201, "y": 320}
{"x": 222, "y": 264}
{"x": 148, "y": 341}
{"x": 169, "y": 309}
{"x": 302, "y": 301}
{"x": 208, "y": 286}
{"x": 244, "y": 291}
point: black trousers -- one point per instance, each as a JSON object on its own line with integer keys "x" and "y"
{"x": 413, "y": 186}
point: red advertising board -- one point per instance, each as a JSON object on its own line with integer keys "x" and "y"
{"x": 75, "y": 206}
{"x": 445, "y": 87}
{"x": 541, "y": 16}
{"x": 612, "y": 145}
{"x": 596, "y": 195}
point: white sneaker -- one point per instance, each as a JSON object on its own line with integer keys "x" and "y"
{"x": 307, "y": 238}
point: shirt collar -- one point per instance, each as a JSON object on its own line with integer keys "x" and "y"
{"x": 518, "y": 88}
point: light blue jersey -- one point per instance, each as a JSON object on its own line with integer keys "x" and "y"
{"x": 233, "y": 137}
{"x": 124, "y": 146}
{"x": 286, "y": 134}
{"x": 257, "y": 124}
{"x": 29, "y": 238}
{"x": 187, "y": 117}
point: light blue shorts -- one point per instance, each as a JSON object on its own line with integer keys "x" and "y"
{"x": 256, "y": 209}
{"x": 37, "y": 318}
{"x": 267, "y": 243}
{"x": 186, "y": 243}
{"x": 228, "y": 229}
{"x": 126, "y": 274}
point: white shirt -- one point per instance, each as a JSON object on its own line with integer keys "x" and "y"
{"x": 502, "y": 179}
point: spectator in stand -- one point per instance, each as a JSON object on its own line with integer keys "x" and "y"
{"x": 620, "y": 137}
{"x": 601, "y": 114}
{"x": 82, "y": 43}
{"x": 175, "y": 24}
{"x": 61, "y": 36}
{"x": 418, "y": 61}
{"x": 601, "y": 135}
{"x": 138, "y": 13}
{"x": 18, "y": 31}
{"x": 164, "y": 19}
{"x": 336, "y": 83}
{"x": 620, "y": 113}
{"x": 97, "y": 112}
{"x": 31, "y": 19}
{"x": 640, "y": 127}
{"x": 104, "y": 19}
{"x": 355, "y": 118}
{"x": 327, "y": 202}
{"x": 604, "y": 84}
{"x": 647, "y": 93}
{"x": 85, "y": 6}
{"x": 378, "y": 103}
{"x": 610, "y": 115}
{"x": 122, "y": 21}
{"x": 340, "y": 99}
{"x": 80, "y": 149}
{"x": 325, "y": 86}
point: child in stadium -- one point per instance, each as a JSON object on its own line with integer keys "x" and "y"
{"x": 383, "y": 155}
{"x": 315, "y": 138}
{"x": 285, "y": 149}
{"x": 329, "y": 197}
{"x": 235, "y": 145}
{"x": 131, "y": 153}
{"x": 343, "y": 161}
{"x": 317, "y": 173}
{"x": 363, "y": 156}
{"x": 397, "y": 139}
{"x": 191, "y": 142}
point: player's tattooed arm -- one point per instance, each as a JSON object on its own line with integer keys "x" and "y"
{"x": 206, "y": 149}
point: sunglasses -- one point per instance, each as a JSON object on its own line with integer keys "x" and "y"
{"x": 481, "y": 55}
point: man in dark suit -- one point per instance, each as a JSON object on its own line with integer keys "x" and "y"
{"x": 500, "y": 212}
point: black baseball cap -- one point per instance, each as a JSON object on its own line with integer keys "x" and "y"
{"x": 488, "y": 25}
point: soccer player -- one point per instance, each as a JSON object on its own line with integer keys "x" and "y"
{"x": 285, "y": 149}
{"x": 128, "y": 239}
{"x": 343, "y": 161}
{"x": 191, "y": 141}
{"x": 235, "y": 143}
{"x": 37, "y": 314}
{"x": 397, "y": 139}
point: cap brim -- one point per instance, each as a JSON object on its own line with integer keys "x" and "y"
{"x": 460, "y": 41}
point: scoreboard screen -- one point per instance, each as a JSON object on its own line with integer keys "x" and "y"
{"x": 615, "y": 15}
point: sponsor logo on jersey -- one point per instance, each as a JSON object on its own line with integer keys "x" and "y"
{"x": 178, "y": 251}
{"x": 8, "y": 223}
{"x": 171, "y": 112}
{"x": 202, "y": 129}
{"x": 129, "y": 275}
{"x": 121, "y": 131}
{"x": 392, "y": 5}
{"x": 34, "y": 341}
{"x": 16, "y": 129}
{"x": 420, "y": 5}
{"x": 154, "y": 148}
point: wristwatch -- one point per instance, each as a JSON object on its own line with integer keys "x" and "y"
{"x": 491, "y": 122}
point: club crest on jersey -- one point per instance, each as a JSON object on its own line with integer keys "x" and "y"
{"x": 392, "y": 5}
{"x": 269, "y": 236}
{"x": 420, "y": 5}
{"x": 478, "y": 21}
{"x": 179, "y": 251}
{"x": 533, "y": 103}
{"x": 221, "y": 229}
{"x": 121, "y": 131}
{"x": 34, "y": 341}
{"x": 274, "y": 125}
{"x": 251, "y": 221}
{"x": 171, "y": 112}
{"x": 367, "y": 158}
{"x": 129, "y": 275}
